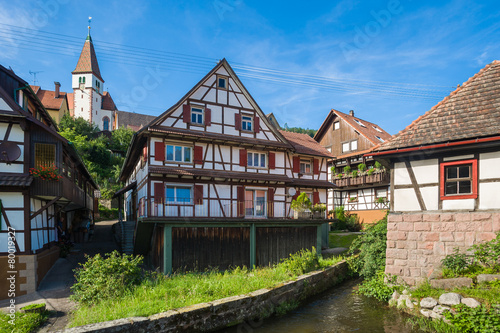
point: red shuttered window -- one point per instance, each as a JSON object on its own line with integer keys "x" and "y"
{"x": 159, "y": 151}
{"x": 198, "y": 155}
{"x": 272, "y": 160}
{"x": 243, "y": 157}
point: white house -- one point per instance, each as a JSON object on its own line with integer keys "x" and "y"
{"x": 445, "y": 178}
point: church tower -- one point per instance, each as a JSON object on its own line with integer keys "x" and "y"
{"x": 87, "y": 85}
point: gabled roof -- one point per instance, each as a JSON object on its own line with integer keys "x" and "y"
{"x": 87, "y": 63}
{"x": 47, "y": 97}
{"x": 365, "y": 128}
{"x": 304, "y": 144}
{"x": 471, "y": 111}
{"x": 107, "y": 102}
{"x": 132, "y": 120}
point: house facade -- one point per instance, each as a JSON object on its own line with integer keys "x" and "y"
{"x": 365, "y": 192}
{"x": 213, "y": 174}
{"x": 33, "y": 201}
{"x": 445, "y": 178}
{"x": 55, "y": 102}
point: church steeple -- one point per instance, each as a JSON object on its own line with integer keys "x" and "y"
{"x": 87, "y": 63}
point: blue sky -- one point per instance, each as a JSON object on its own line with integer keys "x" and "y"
{"x": 389, "y": 61}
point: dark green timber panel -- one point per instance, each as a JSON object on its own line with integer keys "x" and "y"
{"x": 199, "y": 248}
{"x": 276, "y": 243}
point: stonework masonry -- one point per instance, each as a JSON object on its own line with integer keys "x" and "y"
{"x": 417, "y": 242}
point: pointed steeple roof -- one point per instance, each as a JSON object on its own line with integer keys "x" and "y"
{"x": 87, "y": 63}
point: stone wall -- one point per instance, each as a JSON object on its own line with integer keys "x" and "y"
{"x": 417, "y": 242}
{"x": 245, "y": 310}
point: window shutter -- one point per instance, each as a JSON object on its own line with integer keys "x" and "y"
{"x": 186, "y": 113}
{"x": 145, "y": 153}
{"x": 198, "y": 155}
{"x": 256, "y": 124}
{"x": 243, "y": 157}
{"x": 208, "y": 117}
{"x": 316, "y": 166}
{"x": 315, "y": 198}
{"x": 272, "y": 160}
{"x": 198, "y": 194}
{"x": 240, "y": 198}
{"x": 159, "y": 151}
{"x": 296, "y": 164}
{"x": 270, "y": 202}
{"x": 237, "y": 121}
{"x": 159, "y": 192}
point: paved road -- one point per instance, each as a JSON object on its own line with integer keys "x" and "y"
{"x": 54, "y": 290}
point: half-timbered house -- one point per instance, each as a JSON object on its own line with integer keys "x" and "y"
{"x": 349, "y": 138}
{"x": 210, "y": 181}
{"x": 445, "y": 178}
{"x": 31, "y": 204}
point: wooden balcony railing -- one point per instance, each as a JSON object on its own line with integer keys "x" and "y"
{"x": 64, "y": 188}
{"x": 374, "y": 178}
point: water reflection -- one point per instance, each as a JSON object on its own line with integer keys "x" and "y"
{"x": 337, "y": 310}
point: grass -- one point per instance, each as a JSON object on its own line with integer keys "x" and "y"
{"x": 165, "y": 293}
{"x": 23, "y": 322}
{"x": 431, "y": 326}
{"x": 336, "y": 240}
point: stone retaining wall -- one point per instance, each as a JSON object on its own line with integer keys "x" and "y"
{"x": 235, "y": 310}
{"x": 416, "y": 242}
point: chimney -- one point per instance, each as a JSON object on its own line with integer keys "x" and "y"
{"x": 351, "y": 113}
{"x": 58, "y": 85}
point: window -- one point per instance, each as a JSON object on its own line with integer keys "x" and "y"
{"x": 359, "y": 123}
{"x": 377, "y": 129}
{"x": 222, "y": 82}
{"x": 336, "y": 125}
{"x": 178, "y": 154}
{"x": 350, "y": 146}
{"x": 256, "y": 160}
{"x": 305, "y": 166}
{"x": 381, "y": 193}
{"x": 197, "y": 115}
{"x": 380, "y": 139}
{"x": 45, "y": 154}
{"x": 246, "y": 123}
{"x": 178, "y": 194}
{"x": 458, "y": 180}
{"x": 255, "y": 203}
{"x": 105, "y": 124}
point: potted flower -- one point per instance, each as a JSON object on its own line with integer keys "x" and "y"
{"x": 301, "y": 206}
{"x": 381, "y": 200}
{"x": 353, "y": 199}
{"x": 45, "y": 173}
{"x": 319, "y": 210}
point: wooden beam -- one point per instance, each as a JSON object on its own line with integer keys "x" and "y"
{"x": 50, "y": 203}
{"x": 167, "y": 250}
{"x": 416, "y": 188}
{"x": 318, "y": 240}
{"x": 253, "y": 246}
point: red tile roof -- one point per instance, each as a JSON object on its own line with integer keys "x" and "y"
{"x": 304, "y": 144}
{"x": 87, "y": 63}
{"x": 471, "y": 111}
{"x": 47, "y": 97}
{"x": 107, "y": 102}
{"x": 369, "y": 130}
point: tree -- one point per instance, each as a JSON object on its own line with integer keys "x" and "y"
{"x": 121, "y": 138}
{"x": 310, "y": 132}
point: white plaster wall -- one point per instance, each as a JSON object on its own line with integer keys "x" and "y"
{"x": 489, "y": 165}
{"x": 233, "y": 100}
{"x": 401, "y": 176}
{"x": 16, "y": 133}
{"x": 222, "y": 96}
{"x": 198, "y": 94}
{"x": 426, "y": 171}
{"x": 456, "y": 158}
{"x": 210, "y": 97}
{"x": 431, "y": 197}
{"x": 486, "y": 199}
{"x": 405, "y": 199}
{"x": 216, "y": 115}
{"x": 461, "y": 204}
{"x": 233, "y": 85}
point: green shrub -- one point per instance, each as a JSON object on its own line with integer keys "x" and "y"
{"x": 347, "y": 169}
{"x": 301, "y": 262}
{"x": 362, "y": 167}
{"x": 101, "y": 278}
{"x": 378, "y": 165}
{"x": 370, "y": 171}
{"x": 456, "y": 262}
{"x": 480, "y": 319}
{"x": 23, "y": 322}
{"x": 355, "y": 173}
{"x": 352, "y": 223}
{"x": 377, "y": 287}
{"x": 488, "y": 253}
{"x": 107, "y": 213}
{"x": 372, "y": 246}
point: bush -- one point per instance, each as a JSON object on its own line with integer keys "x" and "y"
{"x": 345, "y": 221}
{"x": 355, "y": 173}
{"x": 101, "y": 278}
{"x": 362, "y": 167}
{"x": 377, "y": 287}
{"x": 301, "y": 262}
{"x": 347, "y": 169}
{"x": 108, "y": 214}
{"x": 488, "y": 253}
{"x": 372, "y": 246}
{"x": 480, "y": 319}
{"x": 457, "y": 262}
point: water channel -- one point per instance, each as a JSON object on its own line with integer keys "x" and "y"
{"x": 336, "y": 310}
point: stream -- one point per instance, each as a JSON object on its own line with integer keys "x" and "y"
{"x": 336, "y": 310}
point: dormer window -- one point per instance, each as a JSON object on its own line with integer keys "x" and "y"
{"x": 221, "y": 82}
{"x": 359, "y": 123}
{"x": 377, "y": 129}
{"x": 246, "y": 123}
{"x": 380, "y": 139}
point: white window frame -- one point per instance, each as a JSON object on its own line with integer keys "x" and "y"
{"x": 176, "y": 201}
{"x": 303, "y": 169}
{"x": 336, "y": 125}
{"x": 197, "y": 110}
{"x": 254, "y": 200}
{"x": 183, "y": 151}
{"x": 251, "y": 156}
{"x": 350, "y": 147}
{"x": 245, "y": 123}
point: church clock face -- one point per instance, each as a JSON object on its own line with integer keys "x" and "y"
{"x": 82, "y": 86}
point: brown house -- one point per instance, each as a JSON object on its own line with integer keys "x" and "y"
{"x": 55, "y": 102}
{"x": 42, "y": 182}
{"x": 349, "y": 138}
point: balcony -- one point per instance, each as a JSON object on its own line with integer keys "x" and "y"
{"x": 222, "y": 209}
{"x": 363, "y": 180}
{"x": 64, "y": 188}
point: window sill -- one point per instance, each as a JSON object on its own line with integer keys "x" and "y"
{"x": 459, "y": 197}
